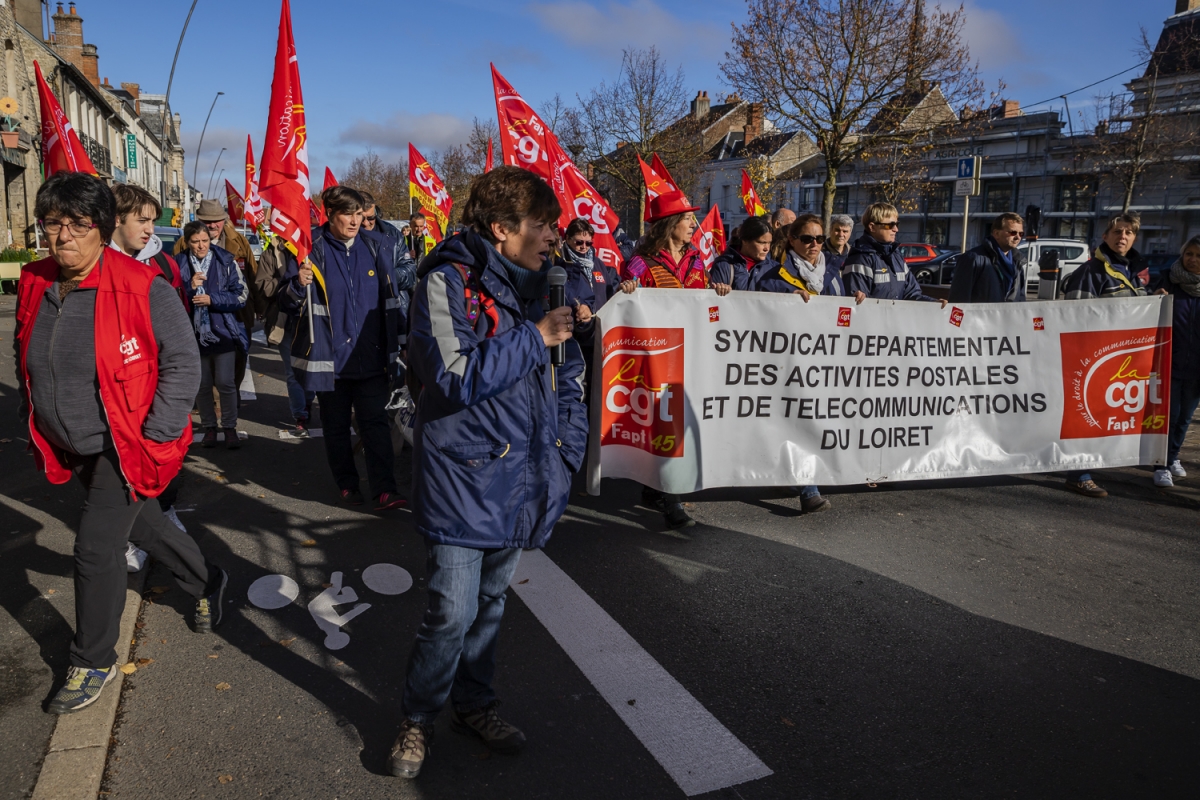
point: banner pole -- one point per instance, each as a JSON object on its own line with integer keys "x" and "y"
{"x": 308, "y": 299}
{"x": 966, "y": 206}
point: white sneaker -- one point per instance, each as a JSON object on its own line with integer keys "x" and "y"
{"x": 1177, "y": 469}
{"x": 1162, "y": 479}
{"x": 135, "y": 557}
{"x": 171, "y": 515}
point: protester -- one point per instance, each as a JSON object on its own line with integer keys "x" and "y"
{"x": 218, "y": 293}
{"x": 1182, "y": 282}
{"x": 782, "y": 218}
{"x": 837, "y": 244}
{"x": 354, "y": 320}
{"x": 418, "y": 241}
{"x": 134, "y": 236}
{"x": 580, "y": 257}
{"x": 103, "y": 341}
{"x": 225, "y": 236}
{"x": 993, "y": 272}
{"x": 279, "y": 326}
{"x": 875, "y": 266}
{"x": 403, "y": 267}
{"x": 747, "y": 258}
{"x": 665, "y": 259}
{"x": 480, "y": 347}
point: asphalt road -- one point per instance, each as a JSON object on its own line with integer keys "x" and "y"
{"x": 983, "y": 638}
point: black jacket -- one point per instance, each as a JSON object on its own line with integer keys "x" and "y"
{"x": 980, "y": 276}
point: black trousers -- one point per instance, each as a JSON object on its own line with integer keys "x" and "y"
{"x": 110, "y": 520}
{"x": 367, "y": 398}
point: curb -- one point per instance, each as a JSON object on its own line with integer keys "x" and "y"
{"x": 74, "y": 764}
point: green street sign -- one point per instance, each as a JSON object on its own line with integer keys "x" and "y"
{"x": 131, "y": 149}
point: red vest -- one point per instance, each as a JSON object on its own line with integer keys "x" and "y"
{"x": 126, "y": 365}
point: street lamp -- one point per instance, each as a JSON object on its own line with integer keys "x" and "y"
{"x": 214, "y": 170}
{"x": 196, "y": 166}
{"x": 171, "y": 79}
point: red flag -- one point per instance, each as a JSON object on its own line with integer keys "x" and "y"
{"x": 487, "y": 167}
{"x": 330, "y": 181}
{"x": 61, "y": 149}
{"x": 285, "y": 180}
{"x": 657, "y": 179}
{"x": 234, "y": 203}
{"x": 750, "y": 197}
{"x": 527, "y": 142}
{"x": 253, "y": 203}
{"x": 661, "y": 170}
{"x": 316, "y": 214}
{"x": 709, "y": 237}
{"x": 429, "y": 191}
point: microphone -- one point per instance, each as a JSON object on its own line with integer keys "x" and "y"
{"x": 558, "y": 299}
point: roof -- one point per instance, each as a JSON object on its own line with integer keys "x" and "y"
{"x": 733, "y": 146}
{"x": 901, "y": 110}
{"x": 1178, "y": 48}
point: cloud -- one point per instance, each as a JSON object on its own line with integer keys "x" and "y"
{"x": 609, "y": 28}
{"x": 992, "y": 40}
{"x": 430, "y": 131}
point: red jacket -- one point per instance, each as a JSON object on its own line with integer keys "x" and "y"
{"x": 126, "y": 365}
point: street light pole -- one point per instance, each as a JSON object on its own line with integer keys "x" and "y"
{"x": 171, "y": 80}
{"x": 214, "y": 170}
{"x": 196, "y": 166}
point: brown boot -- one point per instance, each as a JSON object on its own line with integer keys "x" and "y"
{"x": 411, "y": 748}
{"x": 486, "y": 724}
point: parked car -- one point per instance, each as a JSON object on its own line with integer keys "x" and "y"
{"x": 168, "y": 236}
{"x": 937, "y": 271}
{"x": 918, "y": 252}
{"x": 1072, "y": 253}
{"x": 255, "y": 242}
{"x": 1156, "y": 264}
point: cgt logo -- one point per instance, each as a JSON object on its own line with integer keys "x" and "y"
{"x": 1115, "y": 383}
{"x": 643, "y": 390}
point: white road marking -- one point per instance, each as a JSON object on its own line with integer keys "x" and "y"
{"x": 247, "y": 390}
{"x": 697, "y": 751}
{"x": 387, "y": 579}
{"x": 273, "y": 591}
{"x": 330, "y": 621}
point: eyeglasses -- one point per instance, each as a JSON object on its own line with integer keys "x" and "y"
{"x": 805, "y": 238}
{"x": 52, "y": 227}
{"x": 1017, "y": 234}
{"x": 893, "y": 225}
{"x": 580, "y": 243}
{"x": 368, "y": 219}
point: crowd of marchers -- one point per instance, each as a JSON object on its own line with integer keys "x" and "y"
{"x": 118, "y": 343}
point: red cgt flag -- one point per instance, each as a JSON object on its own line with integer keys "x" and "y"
{"x": 285, "y": 181}
{"x": 330, "y": 181}
{"x": 657, "y": 179}
{"x": 754, "y": 206}
{"x": 234, "y": 203}
{"x": 429, "y": 191}
{"x": 61, "y": 149}
{"x": 709, "y": 237}
{"x": 253, "y": 203}
{"x": 316, "y": 214}
{"x": 487, "y": 167}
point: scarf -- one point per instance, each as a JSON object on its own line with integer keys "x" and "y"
{"x": 584, "y": 261}
{"x": 812, "y": 275}
{"x": 201, "y": 319}
{"x": 1188, "y": 281}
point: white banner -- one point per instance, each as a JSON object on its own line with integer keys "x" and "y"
{"x": 693, "y": 391}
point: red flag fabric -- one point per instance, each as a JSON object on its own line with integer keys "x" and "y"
{"x": 330, "y": 181}
{"x": 750, "y": 200}
{"x": 487, "y": 167}
{"x": 255, "y": 215}
{"x": 234, "y": 203}
{"x": 316, "y": 214}
{"x": 429, "y": 191}
{"x": 657, "y": 179}
{"x": 661, "y": 170}
{"x": 61, "y": 149}
{"x": 528, "y": 143}
{"x": 285, "y": 181}
{"x": 709, "y": 237}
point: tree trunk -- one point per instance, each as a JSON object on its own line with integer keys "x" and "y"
{"x": 1128, "y": 200}
{"x": 830, "y": 194}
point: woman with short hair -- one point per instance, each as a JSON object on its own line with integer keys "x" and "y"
{"x": 875, "y": 265}
{"x": 107, "y": 370}
{"x": 747, "y": 258}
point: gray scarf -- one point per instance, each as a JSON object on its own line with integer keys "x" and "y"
{"x": 1188, "y": 281}
{"x": 201, "y": 320}
{"x": 813, "y": 275}
{"x": 584, "y": 261}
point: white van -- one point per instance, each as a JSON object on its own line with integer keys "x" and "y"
{"x": 1072, "y": 254}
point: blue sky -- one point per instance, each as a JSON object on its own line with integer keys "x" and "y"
{"x": 387, "y": 72}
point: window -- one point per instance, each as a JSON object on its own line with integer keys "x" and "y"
{"x": 937, "y": 232}
{"x": 1076, "y": 193}
{"x": 1075, "y": 229}
{"x": 841, "y": 200}
{"x": 939, "y": 198}
{"x": 998, "y": 196}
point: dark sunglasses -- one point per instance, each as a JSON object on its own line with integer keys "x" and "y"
{"x": 369, "y": 219}
{"x": 893, "y": 225}
{"x": 805, "y": 238}
{"x": 580, "y": 243}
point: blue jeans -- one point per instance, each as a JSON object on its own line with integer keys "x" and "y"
{"x": 298, "y": 399}
{"x": 1185, "y": 397}
{"x": 455, "y": 652}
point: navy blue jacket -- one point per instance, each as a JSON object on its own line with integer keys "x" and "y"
{"x": 498, "y": 431}
{"x": 981, "y": 276}
{"x": 879, "y": 271}
{"x": 784, "y": 279}
{"x": 341, "y": 316}
{"x": 228, "y": 290}
{"x": 1103, "y": 276}
{"x": 730, "y": 268}
{"x": 836, "y": 260}
{"x": 404, "y": 270}
{"x": 1185, "y": 330}
{"x": 604, "y": 280}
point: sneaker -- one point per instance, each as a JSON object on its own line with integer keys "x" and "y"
{"x": 1086, "y": 488}
{"x": 410, "y": 750}
{"x": 232, "y": 441}
{"x": 300, "y": 429}
{"x": 135, "y": 557}
{"x": 174, "y": 518}
{"x": 485, "y": 723}
{"x": 209, "y": 608}
{"x": 81, "y": 689}
{"x": 1177, "y": 469}
{"x": 210, "y": 438}
{"x": 352, "y": 497}
{"x": 389, "y": 501}
{"x": 1162, "y": 478}
{"x": 676, "y": 516}
{"x": 653, "y": 498}
{"x": 815, "y": 503}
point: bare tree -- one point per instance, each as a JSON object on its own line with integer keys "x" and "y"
{"x": 564, "y": 120}
{"x": 477, "y": 143}
{"x": 850, "y": 73}
{"x": 387, "y": 183}
{"x": 643, "y": 112}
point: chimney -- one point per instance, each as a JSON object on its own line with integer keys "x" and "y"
{"x": 68, "y": 39}
{"x": 621, "y": 143}
{"x": 1183, "y": 6}
{"x": 1006, "y": 109}
{"x": 91, "y": 64}
{"x": 701, "y": 106}
{"x": 754, "y": 123}
{"x": 28, "y": 14}
{"x": 135, "y": 91}
{"x": 1102, "y": 127}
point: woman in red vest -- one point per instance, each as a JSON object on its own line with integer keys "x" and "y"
{"x": 107, "y": 368}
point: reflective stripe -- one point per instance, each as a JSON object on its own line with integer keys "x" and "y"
{"x": 882, "y": 277}
{"x": 858, "y": 269}
{"x": 320, "y": 310}
{"x": 391, "y": 302}
{"x": 1080, "y": 294}
{"x": 441, "y": 324}
{"x": 304, "y": 365}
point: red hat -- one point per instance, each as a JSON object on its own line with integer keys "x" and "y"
{"x": 668, "y": 205}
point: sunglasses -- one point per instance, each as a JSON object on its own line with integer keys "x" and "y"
{"x": 1017, "y": 234}
{"x": 580, "y": 243}
{"x": 893, "y": 225}
{"x": 369, "y": 219}
{"x": 805, "y": 238}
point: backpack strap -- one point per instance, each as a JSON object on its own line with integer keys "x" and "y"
{"x": 164, "y": 264}
{"x": 477, "y": 300}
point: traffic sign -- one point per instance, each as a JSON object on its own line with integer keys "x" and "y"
{"x": 970, "y": 167}
{"x": 968, "y": 187}
{"x": 131, "y": 149}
